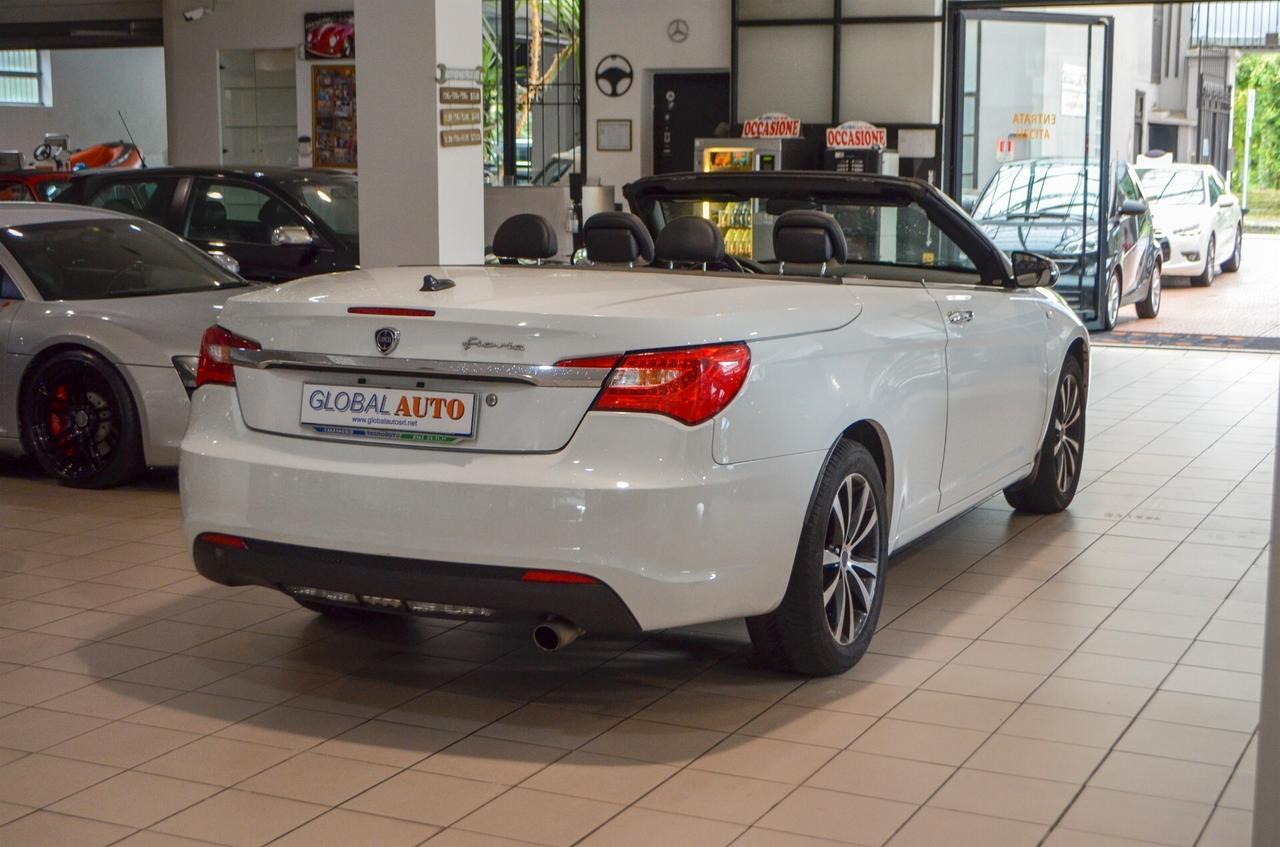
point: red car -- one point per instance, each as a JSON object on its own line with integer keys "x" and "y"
{"x": 333, "y": 40}
{"x": 44, "y": 184}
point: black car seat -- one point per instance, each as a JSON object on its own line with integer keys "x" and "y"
{"x": 808, "y": 237}
{"x": 690, "y": 240}
{"x": 525, "y": 236}
{"x": 618, "y": 238}
{"x": 209, "y": 221}
{"x": 273, "y": 214}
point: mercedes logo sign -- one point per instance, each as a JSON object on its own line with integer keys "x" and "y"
{"x": 678, "y": 30}
{"x": 614, "y": 75}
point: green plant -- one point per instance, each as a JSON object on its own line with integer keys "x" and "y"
{"x": 1259, "y": 71}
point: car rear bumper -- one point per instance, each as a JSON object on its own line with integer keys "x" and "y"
{"x": 634, "y": 501}
{"x": 454, "y": 589}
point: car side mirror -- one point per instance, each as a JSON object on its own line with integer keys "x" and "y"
{"x": 1031, "y": 270}
{"x": 1130, "y": 208}
{"x": 228, "y": 263}
{"x": 291, "y": 236}
{"x": 1227, "y": 200}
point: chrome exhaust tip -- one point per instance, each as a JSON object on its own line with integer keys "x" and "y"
{"x": 556, "y": 633}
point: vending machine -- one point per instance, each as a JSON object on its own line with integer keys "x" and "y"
{"x": 749, "y": 154}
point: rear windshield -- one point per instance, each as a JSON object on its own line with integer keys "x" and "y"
{"x": 877, "y": 233}
{"x": 107, "y": 257}
{"x": 14, "y": 192}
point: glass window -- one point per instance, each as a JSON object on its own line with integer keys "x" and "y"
{"x": 110, "y": 257}
{"x": 148, "y": 199}
{"x": 1173, "y": 187}
{"x": 335, "y": 200}
{"x": 242, "y": 214}
{"x": 20, "y": 77}
{"x": 1128, "y": 188}
{"x": 1040, "y": 188}
{"x": 14, "y": 192}
{"x": 877, "y": 234}
{"x": 8, "y": 288}
{"x": 1215, "y": 190}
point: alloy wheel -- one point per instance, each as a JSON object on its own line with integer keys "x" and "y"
{"x": 1157, "y": 287}
{"x": 850, "y": 559}
{"x": 1113, "y": 301}
{"x": 1068, "y": 432}
{"x": 74, "y": 424}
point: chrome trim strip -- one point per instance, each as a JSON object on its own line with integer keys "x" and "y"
{"x": 548, "y": 376}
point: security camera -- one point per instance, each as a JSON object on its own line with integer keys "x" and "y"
{"x": 195, "y": 14}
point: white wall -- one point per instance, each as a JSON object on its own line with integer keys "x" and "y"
{"x": 87, "y": 87}
{"x": 191, "y": 59}
{"x": 638, "y": 31}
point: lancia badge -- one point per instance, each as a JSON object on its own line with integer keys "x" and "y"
{"x": 386, "y": 338}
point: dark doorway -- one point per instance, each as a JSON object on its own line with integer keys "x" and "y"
{"x": 686, "y": 106}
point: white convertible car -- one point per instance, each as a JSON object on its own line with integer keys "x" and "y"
{"x": 671, "y": 435}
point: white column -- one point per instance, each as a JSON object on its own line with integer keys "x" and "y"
{"x": 420, "y": 203}
{"x": 1266, "y": 815}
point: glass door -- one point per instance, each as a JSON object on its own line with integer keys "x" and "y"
{"x": 1030, "y": 144}
{"x": 259, "y": 107}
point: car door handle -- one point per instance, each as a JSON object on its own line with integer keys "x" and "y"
{"x": 960, "y": 316}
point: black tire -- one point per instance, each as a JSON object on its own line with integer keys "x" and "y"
{"x": 829, "y": 612}
{"x": 1149, "y": 306}
{"x": 1204, "y": 280}
{"x": 80, "y": 422}
{"x": 1233, "y": 264}
{"x": 1111, "y": 302}
{"x": 1052, "y": 485}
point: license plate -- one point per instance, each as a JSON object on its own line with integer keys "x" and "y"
{"x": 433, "y": 417}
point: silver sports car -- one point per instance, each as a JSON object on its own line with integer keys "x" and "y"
{"x": 100, "y": 322}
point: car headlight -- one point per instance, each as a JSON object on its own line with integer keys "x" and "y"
{"x": 1194, "y": 229}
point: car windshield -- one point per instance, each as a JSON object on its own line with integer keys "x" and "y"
{"x": 111, "y": 257}
{"x": 1038, "y": 189}
{"x": 334, "y": 199}
{"x": 14, "y": 191}
{"x": 877, "y": 232}
{"x": 1173, "y": 187}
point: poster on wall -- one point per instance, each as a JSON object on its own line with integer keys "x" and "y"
{"x": 333, "y": 116}
{"x": 329, "y": 35}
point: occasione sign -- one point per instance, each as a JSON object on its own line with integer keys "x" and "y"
{"x": 772, "y": 125}
{"x": 856, "y": 135}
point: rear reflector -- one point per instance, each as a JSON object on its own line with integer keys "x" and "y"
{"x": 691, "y": 385}
{"x": 559, "y": 577}
{"x": 214, "y": 367}
{"x": 391, "y": 313}
{"x": 223, "y": 540}
{"x": 449, "y": 609}
{"x": 308, "y": 593}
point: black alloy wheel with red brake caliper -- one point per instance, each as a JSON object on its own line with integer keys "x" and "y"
{"x": 80, "y": 422}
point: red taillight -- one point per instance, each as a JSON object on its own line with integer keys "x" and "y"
{"x": 590, "y": 362}
{"x": 692, "y": 385}
{"x": 559, "y": 577}
{"x": 223, "y": 540}
{"x": 391, "y": 313}
{"x": 215, "y": 366}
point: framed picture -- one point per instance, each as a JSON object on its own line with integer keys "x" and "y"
{"x": 613, "y": 135}
{"x": 333, "y": 116}
{"x": 329, "y": 35}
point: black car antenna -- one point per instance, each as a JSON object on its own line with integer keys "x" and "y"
{"x": 141, "y": 157}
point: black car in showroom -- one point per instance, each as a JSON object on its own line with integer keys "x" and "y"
{"x": 277, "y": 224}
{"x": 1050, "y": 207}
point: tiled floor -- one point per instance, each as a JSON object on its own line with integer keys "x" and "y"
{"x": 1084, "y": 680}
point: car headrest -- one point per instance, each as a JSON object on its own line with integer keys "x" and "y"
{"x": 808, "y": 237}
{"x": 275, "y": 213}
{"x": 212, "y": 213}
{"x": 689, "y": 239}
{"x": 617, "y": 237}
{"x": 525, "y": 236}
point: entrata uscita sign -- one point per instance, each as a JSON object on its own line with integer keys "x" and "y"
{"x": 856, "y": 135}
{"x": 772, "y": 125}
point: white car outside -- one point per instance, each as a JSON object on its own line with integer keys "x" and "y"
{"x": 1201, "y": 218}
{"x": 625, "y": 449}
